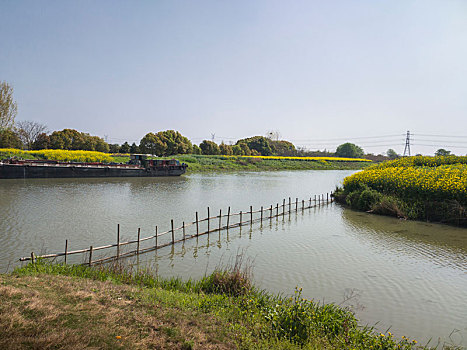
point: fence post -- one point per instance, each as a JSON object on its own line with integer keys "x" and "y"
{"x": 270, "y": 213}
{"x": 277, "y": 210}
{"x": 183, "y": 225}
{"x": 261, "y": 214}
{"x": 315, "y": 200}
{"x": 290, "y": 205}
{"x": 327, "y": 197}
{"x": 172, "y": 230}
{"x": 197, "y": 224}
{"x": 156, "y": 238}
{"x": 296, "y": 204}
{"x": 283, "y": 207}
{"x": 310, "y": 202}
{"x": 303, "y": 205}
{"x": 118, "y": 241}
{"x": 228, "y": 217}
{"x": 90, "y": 255}
{"x": 208, "y": 220}
{"x": 251, "y": 214}
{"x": 220, "y": 219}
{"x": 66, "y": 249}
{"x": 240, "y": 223}
{"x": 137, "y": 245}
{"x": 32, "y": 257}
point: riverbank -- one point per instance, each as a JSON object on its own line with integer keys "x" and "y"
{"x": 203, "y": 163}
{"x": 69, "y": 306}
{"x": 418, "y": 188}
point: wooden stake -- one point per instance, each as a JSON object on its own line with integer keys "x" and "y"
{"x": 261, "y": 214}
{"x": 90, "y": 255}
{"x": 66, "y": 249}
{"x": 290, "y": 205}
{"x": 310, "y": 202}
{"x": 240, "y": 224}
{"x": 303, "y": 204}
{"x": 228, "y": 217}
{"x": 327, "y": 197}
{"x": 172, "y": 230}
{"x": 251, "y": 215}
{"x": 183, "y": 225}
{"x": 32, "y": 257}
{"x": 296, "y": 204}
{"x": 283, "y": 207}
{"x": 270, "y": 213}
{"x": 118, "y": 241}
{"x": 220, "y": 219}
{"x": 156, "y": 238}
{"x": 277, "y": 210}
{"x": 137, "y": 245}
{"x": 197, "y": 224}
{"x": 208, "y": 220}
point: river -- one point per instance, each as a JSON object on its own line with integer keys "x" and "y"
{"x": 409, "y": 277}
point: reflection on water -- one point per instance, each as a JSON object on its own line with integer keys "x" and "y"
{"x": 409, "y": 276}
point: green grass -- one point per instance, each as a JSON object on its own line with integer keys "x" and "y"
{"x": 202, "y": 163}
{"x": 94, "y": 306}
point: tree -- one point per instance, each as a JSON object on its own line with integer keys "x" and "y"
{"x": 114, "y": 148}
{"x": 71, "y": 139}
{"x": 225, "y": 149}
{"x": 134, "y": 148}
{"x": 392, "y": 154}
{"x": 442, "y": 152}
{"x": 258, "y": 143}
{"x": 125, "y": 148}
{"x": 165, "y": 143}
{"x": 196, "y": 149}
{"x": 29, "y": 131}
{"x": 8, "y": 107}
{"x": 349, "y": 150}
{"x": 283, "y": 148}
{"x": 42, "y": 142}
{"x": 9, "y": 139}
{"x": 209, "y": 147}
{"x": 245, "y": 150}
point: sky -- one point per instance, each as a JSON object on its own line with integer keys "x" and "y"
{"x": 318, "y": 72}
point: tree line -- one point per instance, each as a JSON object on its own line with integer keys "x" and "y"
{"x": 34, "y": 136}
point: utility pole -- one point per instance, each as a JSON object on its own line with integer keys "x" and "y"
{"x": 407, "y": 145}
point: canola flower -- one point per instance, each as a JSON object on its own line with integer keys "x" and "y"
{"x": 326, "y": 159}
{"x": 425, "y": 178}
{"x": 61, "y": 155}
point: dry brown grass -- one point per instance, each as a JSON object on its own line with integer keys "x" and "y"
{"x": 59, "y": 312}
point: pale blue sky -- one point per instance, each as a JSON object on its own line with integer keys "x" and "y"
{"x": 312, "y": 70}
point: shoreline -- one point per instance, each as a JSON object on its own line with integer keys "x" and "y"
{"x": 133, "y": 309}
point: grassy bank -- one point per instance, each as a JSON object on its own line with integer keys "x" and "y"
{"x": 419, "y": 188}
{"x": 57, "y": 306}
{"x": 201, "y": 163}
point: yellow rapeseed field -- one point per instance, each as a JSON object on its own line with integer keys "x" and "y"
{"x": 61, "y": 155}
{"x": 327, "y": 159}
{"x": 425, "y": 178}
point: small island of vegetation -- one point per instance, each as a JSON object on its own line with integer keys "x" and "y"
{"x": 418, "y": 188}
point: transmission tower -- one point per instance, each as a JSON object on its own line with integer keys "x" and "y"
{"x": 407, "y": 145}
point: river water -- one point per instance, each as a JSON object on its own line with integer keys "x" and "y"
{"x": 409, "y": 277}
